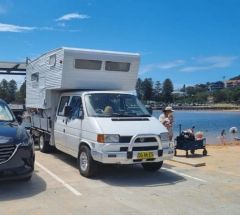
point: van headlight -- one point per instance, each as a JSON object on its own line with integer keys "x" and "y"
{"x": 108, "y": 138}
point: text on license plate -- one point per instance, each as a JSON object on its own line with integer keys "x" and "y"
{"x": 145, "y": 155}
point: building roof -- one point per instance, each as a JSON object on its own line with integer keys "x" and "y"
{"x": 12, "y": 68}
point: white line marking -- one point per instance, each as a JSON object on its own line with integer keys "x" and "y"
{"x": 69, "y": 187}
{"x": 184, "y": 175}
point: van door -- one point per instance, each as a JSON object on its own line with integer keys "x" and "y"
{"x": 74, "y": 125}
{"x": 60, "y": 123}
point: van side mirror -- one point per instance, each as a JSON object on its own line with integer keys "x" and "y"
{"x": 67, "y": 111}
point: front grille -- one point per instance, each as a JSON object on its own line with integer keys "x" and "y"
{"x": 146, "y": 140}
{"x": 127, "y": 139}
{"x": 6, "y": 152}
{"x": 141, "y": 148}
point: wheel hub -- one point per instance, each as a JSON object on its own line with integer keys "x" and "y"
{"x": 83, "y": 161}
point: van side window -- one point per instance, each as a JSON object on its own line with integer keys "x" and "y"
{"x": 63, "y": 103}
{"x": 76, "y": 105}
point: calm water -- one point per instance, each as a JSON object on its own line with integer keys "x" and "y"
{"x": 210, "y": 122}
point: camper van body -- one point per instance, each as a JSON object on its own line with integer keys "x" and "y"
{"x": 68, "y": 92}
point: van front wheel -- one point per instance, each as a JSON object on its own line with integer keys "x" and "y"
{"x": 152, "y": 167}
{"x": 86, "y": 165}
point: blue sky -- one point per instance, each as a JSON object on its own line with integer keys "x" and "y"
{"x": 188, "y": 41}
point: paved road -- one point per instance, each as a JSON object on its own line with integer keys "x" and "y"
{"x": 57, "y": 188}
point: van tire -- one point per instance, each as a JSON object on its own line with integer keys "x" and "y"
{"x": 86, "y": 165}
{"x": 44, "y": 145}
{"x": 152, "y": 167}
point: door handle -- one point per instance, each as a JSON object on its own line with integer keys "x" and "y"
{"x": 64, "y": 130}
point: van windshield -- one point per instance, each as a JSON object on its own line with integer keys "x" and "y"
{"x": 114, "y": 105}
{"x": 5, "y": 113}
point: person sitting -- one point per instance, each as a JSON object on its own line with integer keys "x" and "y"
{"x": 108, "y": 110}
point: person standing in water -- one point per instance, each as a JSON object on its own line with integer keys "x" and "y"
{"x": 166, "y": 118}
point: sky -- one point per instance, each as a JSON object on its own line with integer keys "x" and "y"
{"x": 188, "y": 41}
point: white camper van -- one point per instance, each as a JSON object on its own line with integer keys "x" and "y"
{"x": 82, "y": 102}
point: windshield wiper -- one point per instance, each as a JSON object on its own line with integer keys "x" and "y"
{"x": 143, "y": 115}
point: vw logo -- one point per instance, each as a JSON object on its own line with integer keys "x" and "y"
{"x": 142, "y": 140}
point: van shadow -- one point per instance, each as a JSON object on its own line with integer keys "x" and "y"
{"x": 18, "y": 189}
{"x": 136, "y": 176}
{"x": 128, "y": 175}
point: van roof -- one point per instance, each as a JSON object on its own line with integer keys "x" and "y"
{"x": 69, "y": 49}
{"x": 80, "y": 92}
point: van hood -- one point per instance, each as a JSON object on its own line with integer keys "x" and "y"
{"x": 130, "y": 126}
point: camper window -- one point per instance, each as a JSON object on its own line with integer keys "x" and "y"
{"x": 117, "y": 66}
{"x": 62, "y": 105}
{"x": 35, "y": 76}
{"x": 52, "y": 60}
{"x": 88, "y": 64}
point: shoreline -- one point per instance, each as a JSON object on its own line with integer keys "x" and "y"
{"x": 227, "y": 109}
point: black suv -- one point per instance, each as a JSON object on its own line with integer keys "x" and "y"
{"x": 16, "y": 147}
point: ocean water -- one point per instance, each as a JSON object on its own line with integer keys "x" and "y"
{"x": 211, "y": 123}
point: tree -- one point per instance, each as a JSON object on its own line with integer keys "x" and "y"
{"x": 12, "y": 89}
{"x": 139, "y": 90}
{"x": 220, "y": 96}
{"x": 190, "y": 91}
{"x": 4, "y": 92}
{"x": 157, "y": 91}
{"x": 167, "y": 91}
{"x": 147, "y": 87}
{"x": 21, "y": 94}
{"x": 183, "y": 89}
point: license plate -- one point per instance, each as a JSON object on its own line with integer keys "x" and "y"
{"x": 145, "y": 155}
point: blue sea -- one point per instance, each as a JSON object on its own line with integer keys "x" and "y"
{"x": 211, "y": 123}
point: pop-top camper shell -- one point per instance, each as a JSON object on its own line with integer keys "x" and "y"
{"x": 82, "y": 69}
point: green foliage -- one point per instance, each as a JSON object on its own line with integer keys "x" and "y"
{"x": 139, "y": 90}
{"x": 157, "y": 92}
{"x": 147, "y": 88}
{"x": 167, "y": 91}
{"x": 9, "y": 93}
{"x": 12, "y": 89}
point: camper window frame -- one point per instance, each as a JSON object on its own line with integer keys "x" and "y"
{"x": 36, "y": 78}
{"x": 108, "y": 65}
{"x": 55, "y": 60}
{"x": 85, "y": 68}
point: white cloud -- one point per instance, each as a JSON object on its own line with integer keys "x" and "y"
{"x": 161, "y": 66}
{"x": 71, "y": 16}
{"x": 208, "y": 63}
{"x": 14, "y": 28}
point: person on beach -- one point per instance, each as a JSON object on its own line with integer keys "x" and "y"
{"x": 166, "y": 118}
{"x": 222, "y": 137}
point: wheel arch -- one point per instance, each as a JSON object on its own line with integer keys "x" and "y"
{"x": 84, "y": 143}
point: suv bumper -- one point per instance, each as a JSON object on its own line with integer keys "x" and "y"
{"x": 21, "y": 165}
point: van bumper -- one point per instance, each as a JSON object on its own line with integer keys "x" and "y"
{"x": 131, "y": 157}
